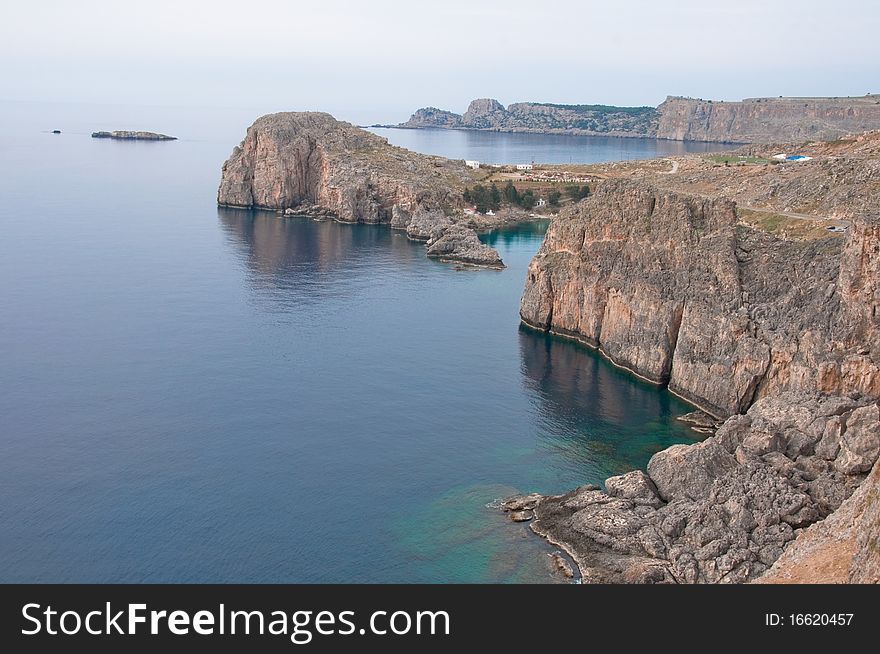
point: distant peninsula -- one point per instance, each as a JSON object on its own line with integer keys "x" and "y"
{"x": 124, "y": 135}
{"x": 754, "y": 120}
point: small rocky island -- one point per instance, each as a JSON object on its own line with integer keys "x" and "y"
{"x": 309, "y": 163}
{"x": 124, "y": 135}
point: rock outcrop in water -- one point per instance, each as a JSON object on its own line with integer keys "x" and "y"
{"x": 310, "y": 163}
{"x": 673, "y": 287}
{"x": 757, "y": 120}
{"x": 123, "y": 135}
{"x": 724, "y": 510}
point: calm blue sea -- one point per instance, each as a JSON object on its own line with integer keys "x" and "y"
{"x": 190, "y": 394}
{"x": 512, "y": 148}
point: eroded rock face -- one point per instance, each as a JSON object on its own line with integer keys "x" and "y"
{"x": 669, "y": 285}
{"x": 719, "y": 511}
{"x": 844, "y": 548}
{"x": 310, "y": 163}
{"x": 290, "y": 159}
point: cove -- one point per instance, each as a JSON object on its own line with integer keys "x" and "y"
{"x": 229, "y": 396}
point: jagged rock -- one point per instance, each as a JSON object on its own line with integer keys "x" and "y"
{"x": 688, "y": 471}
{"x": 636, "y": 486}
{"x": 521, "y": 502}
{"x": 461, "y": 244}
{"x": 562, "y": 566}
{"x": 427, "y": 225}
{"x": 724, "y": 520}
{"x": 700, "y": 421}
{"x": 843, "y": 548}
{"x": 860, "y": 444}
{"x": 521, "y": 516}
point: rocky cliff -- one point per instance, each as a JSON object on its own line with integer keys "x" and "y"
{"x": 760, "y": 316}
{"x": 762, "y": 120}
{"x": 672, "y": 286}
{"x": 310, "y": 163}
{"x": 757, "y": 120}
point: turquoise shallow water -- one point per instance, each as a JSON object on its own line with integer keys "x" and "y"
{"x": 194, "y": 394}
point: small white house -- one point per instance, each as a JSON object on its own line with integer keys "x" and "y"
{"x": 541, "y": 202}
{"x": 524, "y": 166}
{"x": 470, "y": 163}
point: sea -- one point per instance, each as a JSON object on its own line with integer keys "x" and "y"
{"x": 197, "y": 394}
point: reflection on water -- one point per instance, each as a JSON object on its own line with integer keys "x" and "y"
{"x": 597, "y": 415}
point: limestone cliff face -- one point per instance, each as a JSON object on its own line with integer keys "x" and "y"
{"x": 290, "y": 160}
{"x": 671, "y": 286}
{"x": 764, "y": 120}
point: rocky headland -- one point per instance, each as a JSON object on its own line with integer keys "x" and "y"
{"x": 773, "y": 331}
{"x": 311, "y": 164}
{"x": 754, "y": 120}
{"x": 124, "y": 135}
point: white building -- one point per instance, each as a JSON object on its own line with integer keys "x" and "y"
{"x": 471, "y": 163}
{"x": 541, "y": 202}
{"x": 524, "y": 166}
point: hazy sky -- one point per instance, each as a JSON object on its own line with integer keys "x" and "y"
{"x": 379, "y": 60}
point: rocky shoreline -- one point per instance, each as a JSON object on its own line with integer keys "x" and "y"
{"x": 311, "y": 164}
{"x": 724, "y": 510}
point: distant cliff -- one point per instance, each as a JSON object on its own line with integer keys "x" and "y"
{"x": 758, "y": 120}
{"x": 762, "y": 120}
